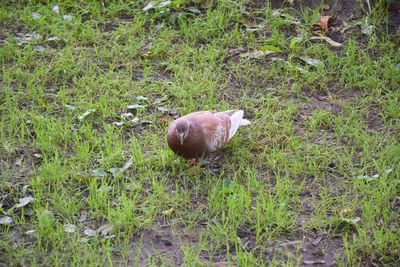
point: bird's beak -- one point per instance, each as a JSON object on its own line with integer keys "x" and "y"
{"x": 181, "y": 138}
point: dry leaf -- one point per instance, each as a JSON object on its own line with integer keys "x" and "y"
{"x": 6, "y": 220}
{"x": 24, "y": 201}
{"x": 104, "y": 229}
{"x": 247, "y": 23}
{"x": 83, "y": 216}
{"x": 256, "y": 54}
{"x": 69, "y": 228}
{"x": 310, "y": 262}
{"x": 90, "y": 232}
{"x": 168, "y": 212}
{"x": 345, "y": 212}
{"x": 321, "y": 24}
{"x": 328, "y": 40}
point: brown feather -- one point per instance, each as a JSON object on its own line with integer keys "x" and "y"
{"x": 208, "y": 131}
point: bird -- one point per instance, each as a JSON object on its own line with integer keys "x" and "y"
{"x": 200, "y": 133}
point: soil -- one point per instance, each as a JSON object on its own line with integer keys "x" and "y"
{"x": 167, "y": 241}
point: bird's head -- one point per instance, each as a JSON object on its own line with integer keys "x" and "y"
{"x": 182, "y": 130}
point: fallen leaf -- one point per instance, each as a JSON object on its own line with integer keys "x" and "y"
{"x": 56, "y": 10}
{"x": 256, "y": 54}
{"x": 312, "y": 61}
{"x": 311, "y": 262}
{"x": 52, "y": 39}
{"x": 39, "y": 48}
{"x": 104, "y": 229}
{"x": 168, "y": 212}
{"x": 36, "y": 15}
{"x": 140, "y": 98}
{"x": 24, "y": 201}
{"x": 163, "y": 109}
{"x": 144, "y": 121}
{"x": 83, "y": 216}
{"x": 18, "y": 162}
{"x": 90, "y": 232}
{"x": 128, "y": 116}
{"x": 164, "y": 3}
{"x": 290, "y": 2}
{"x": 194, "y": 9}
{"x": 328, "y": 40}
{"x": 6, "y": 220}
{"x": 277, "y": 12}
{"x": 30, "y": 232}
{"x": 323, "y": 22}
{"x": 345, "y": 212}
{"x": 87, "y": 113}
{"x": 149, "y": 6}
{"x": 118, "y": 123}
{"x": 247, "y": 23}
{"x": 28, "y": 38}
{"x": 69, "y": 228}
{"x": 136, "y": 106}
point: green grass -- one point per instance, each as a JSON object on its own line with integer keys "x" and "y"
{"x": 289, "y": 176}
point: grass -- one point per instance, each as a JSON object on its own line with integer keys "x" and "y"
{"x": 282, "y": 182}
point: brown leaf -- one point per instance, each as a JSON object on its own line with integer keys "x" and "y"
{"x": 323, "y": 22}
{"x": 247, "y": 23}
{"x": 320, "y": 25}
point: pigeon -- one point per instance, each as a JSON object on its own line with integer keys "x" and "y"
{"x": 199, "y": 133}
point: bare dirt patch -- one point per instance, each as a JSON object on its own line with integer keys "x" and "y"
{"x": 166, "y": 241}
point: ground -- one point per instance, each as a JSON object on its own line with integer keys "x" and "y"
{"x": 88, "y": 90}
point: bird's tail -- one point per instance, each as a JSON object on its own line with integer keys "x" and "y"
{"x": 236, "y": 121}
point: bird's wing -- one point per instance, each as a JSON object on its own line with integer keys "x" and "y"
{"x": 215, "y": 128}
